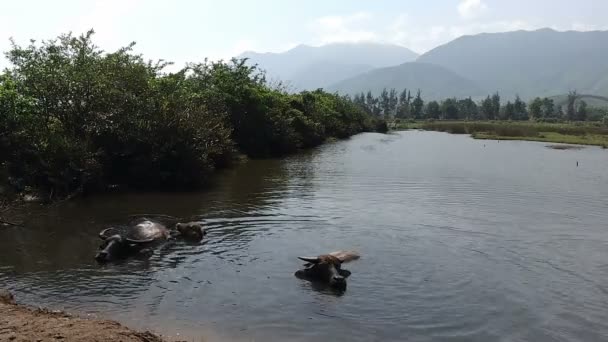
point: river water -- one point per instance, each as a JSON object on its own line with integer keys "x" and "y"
{"x": 461, "y": 240}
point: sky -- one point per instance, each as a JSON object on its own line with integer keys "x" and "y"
{"x": 188, "y": 31}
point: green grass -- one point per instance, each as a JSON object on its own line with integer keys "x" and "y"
{"x": 571, "y": 133}
{"x": 591, "y": 139}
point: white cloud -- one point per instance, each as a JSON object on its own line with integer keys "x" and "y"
{"x": 403, "y": 30}
{"x": 347, "y": 28}
{"x": 577, "y": 26}
{"x": 406, "y": 32}
{"x": 470, "y": 9}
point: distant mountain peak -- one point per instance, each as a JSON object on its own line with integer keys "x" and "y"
{"x": 311, "y": 67}
{"x": 531, "y": 63}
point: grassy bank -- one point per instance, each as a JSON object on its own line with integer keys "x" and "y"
{"x": 75, "y": 119}
{"x": 570, "y": 133}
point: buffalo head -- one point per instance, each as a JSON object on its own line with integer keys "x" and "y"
{"x": 192, "y": 231}
{"x": 116, "y": 246}
{"x": 327, "y": 269}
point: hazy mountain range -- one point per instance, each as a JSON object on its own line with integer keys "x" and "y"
{"x": 435, "y": 81}
{"x": 529, "y": 63}
{"x": 308, "y": 67}
{"x": 532, "y": 63}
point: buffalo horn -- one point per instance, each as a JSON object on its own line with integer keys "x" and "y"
{"x": 314, "y": 260}
{"x": 103, "y": 234}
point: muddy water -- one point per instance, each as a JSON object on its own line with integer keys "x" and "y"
{"x": 461, "y": 240}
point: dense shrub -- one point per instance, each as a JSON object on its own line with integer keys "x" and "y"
{"x": 74, "y": 118}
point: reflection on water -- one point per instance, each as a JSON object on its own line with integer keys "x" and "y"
{"x": 461, "y": 240}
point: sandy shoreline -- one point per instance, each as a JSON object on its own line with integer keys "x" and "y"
{"x": 20, "y": 323}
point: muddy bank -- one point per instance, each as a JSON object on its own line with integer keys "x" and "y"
{"x": 19, "y": 323}
{"x": 565, "y": 147}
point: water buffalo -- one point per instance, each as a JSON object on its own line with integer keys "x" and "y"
{"x": 119, "y": 243}
{"x": 192, "y": 231}
{"x": 327, "y": 268}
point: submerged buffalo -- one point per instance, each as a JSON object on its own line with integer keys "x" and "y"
{"x": 119, "y": 243}
{"x": 327, "y": 268}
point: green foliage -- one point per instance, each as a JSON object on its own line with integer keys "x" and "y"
{"x": 487, "y": 109}
{"x": 519, "y": 109}
{"x": 495, "y": 105}
{"x": 508, "y": 112}
{"x": 586, "y": 134}
{"x": 403, "y": 107}
{"x": 467, "y": 109}
{"x": 385, "y": 102}
{"x": 73, "y": 118}
{"x": 449, "y": 109}
{"x": 417, "y": 106}
{"x": 581, "y": 111}
{"x": 393, "y": 101}
{"x": 571, "y": 111}
{"x": 548, "y": 108}
{"x": 536, "y": 108}
{"x": 540, "y": 109}
{"x": 433, "y": 110}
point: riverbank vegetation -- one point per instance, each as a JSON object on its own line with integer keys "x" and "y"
{"x": 570, "y": 133}
{"x": 75, "y": 119}
{"x": 569, "y": 121}
{"x": 402, "y": 105}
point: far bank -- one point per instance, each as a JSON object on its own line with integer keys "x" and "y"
{"x": 588, "y": 133}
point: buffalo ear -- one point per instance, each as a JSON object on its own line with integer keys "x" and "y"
{"x": 311, "y": 260}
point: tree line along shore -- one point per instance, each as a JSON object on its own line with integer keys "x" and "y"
{"x": 391, "y": 104}
{"x": 75, "y": 119}
{"x": 569, "y": 120}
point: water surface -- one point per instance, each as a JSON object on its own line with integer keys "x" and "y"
{"x": 461, "y": 240}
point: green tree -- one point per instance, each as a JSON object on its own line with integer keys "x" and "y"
{"x": 560, "y": 112}
{"x": 495, "y": 105}
{"x": 403, "y": 97}
{"x": 536, "y": 108}
{"x": 385, "y": 103}
{"x": 467, "y": 109}
{"x": 548, "y": 108}
{"x": 372, "y": 104}
{"x": 509, "y": 111}
{"x": 393, "y": 101}
{"x": 417, "y": 106}
{"x": 403, "y": 108}
{"x": 581, "y": 111}
{"x": 433, "y": 111}
{"x": 487, "y": 109}
{"x": 519, "y": 108}
{"x": 571, "y": 109}
{"x": 449, "y": 109}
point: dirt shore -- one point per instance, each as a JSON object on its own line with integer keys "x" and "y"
{"x": 20, "y": 323}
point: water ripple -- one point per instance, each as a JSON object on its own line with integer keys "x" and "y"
{"x": 458, "y": 243}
